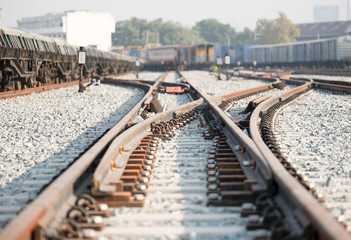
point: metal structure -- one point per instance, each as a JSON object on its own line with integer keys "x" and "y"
{"x": 29, "y": 60}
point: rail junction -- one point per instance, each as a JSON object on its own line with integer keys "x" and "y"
{"x": 209, "y": 168}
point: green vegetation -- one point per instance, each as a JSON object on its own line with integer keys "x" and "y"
{"x": 137, "y": 31}
{"x": 280, "y": 30}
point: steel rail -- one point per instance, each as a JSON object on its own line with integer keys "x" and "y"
{"x": 40, "y": 212}
{"x": 325, "y": 225}
{"x": 46, "y": 87}
{"x": 235, "y": 133}
{"x": 250, "y": 91}
{"x": 106, "y": 175}
{"x": 49, "y": 87}
{"x": 237, "y": 136}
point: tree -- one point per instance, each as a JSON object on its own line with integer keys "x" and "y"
{"x": 139, "y": 32}
{"x": 280, "y": 30}
{"x": 215, "y": 32}
{"x": 129, "y": 32}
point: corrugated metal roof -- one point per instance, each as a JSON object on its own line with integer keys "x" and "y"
{"x": 341, "y": 27}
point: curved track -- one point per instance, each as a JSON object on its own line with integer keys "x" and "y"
{"x": 181, "y": 160}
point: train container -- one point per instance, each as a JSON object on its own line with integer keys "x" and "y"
{"x": 282, "y": 53}
{"x": 30, "y": 60}
{"x": 195, "y": 56}
{"x": 203, "y": 53}
{"x": 239, "y": 54}
{"x": 163, "y": 55}
{"x": 261, "y": 54}
{"x": 243, "y": 52}
{"x": 221, "y": 51}
{"x": 301, "y": 52}
{"x": 343, "y": 48}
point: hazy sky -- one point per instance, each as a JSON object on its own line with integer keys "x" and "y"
{"x": 188, "y": 12}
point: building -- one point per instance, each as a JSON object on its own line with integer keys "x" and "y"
{"x": 310, "y": 31}
{"x": 326, "y": 13}
{"x": 81, "y": 28}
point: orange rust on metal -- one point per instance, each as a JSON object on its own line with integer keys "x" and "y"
{"x": 228, "y": 165}
{"x": 231, "y": 177}
{"x": 259, "y": 100}
{"x": 137, "y": 156}
{"x": 126, "y": 203}
{"x": 334, "y": 87}
{"x": 121, "y": 150}
{"x": 296, "y": 90}
{"x": 118, "y": 185}
{"x": 10, "y": 94}
{"x": 139, "y": 151}
{"x": 113, "y": 165}
{"x": 246, "y": 91}
{"x": 226, "y": 171}
{"x": 129, "y": 179}
{"x": 128, "y": 186}
{"x": 285, "y": 78}
{"x": 131, "y": 172}
{"x": 266, "y": 76}
{"x": 136, "y": 161}
{"x": 173, "y": 90}
{"x": 116, "y": 196}
{"x": 133, "y": 166}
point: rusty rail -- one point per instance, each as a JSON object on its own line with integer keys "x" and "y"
{"x": 304, "y": 203}
{"x": 104, "y": 175}
{"x": 246, "y": 92}
{"x": 236, "y": 135}
{"x": 39, "y": 213}
{"x": 10, "y": 94}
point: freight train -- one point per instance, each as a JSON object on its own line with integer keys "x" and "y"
{"x": 29, "y": 60}
{"x": 172, "y": 57}
{"x": 332, "y": 52}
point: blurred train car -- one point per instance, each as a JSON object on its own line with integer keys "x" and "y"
{"x": 135, "y": 51}
{"x": 163, "y": 58}
{"x": 30, "y": 60}
{"x": 332, "y": 52}
{"x": 199, "y": 56}
{"x": 239, "y": 54}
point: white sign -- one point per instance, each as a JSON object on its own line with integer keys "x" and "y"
{"x": 81, "y": 58}
{"x": 137, "y": 63}
{"x": 227, "y": 60}
{"x": 219, "y": 61}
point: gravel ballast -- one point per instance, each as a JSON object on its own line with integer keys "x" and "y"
{"x": 169, "y": 101}
{"x": 150, "y": 76}
{"x": 41, "y": 133}
{"x": 211, "y": 86}
{"x": 176, "y": 201}
{"x": 315, "y": 133}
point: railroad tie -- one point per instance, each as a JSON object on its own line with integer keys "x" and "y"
{"x": 227, "y": 183}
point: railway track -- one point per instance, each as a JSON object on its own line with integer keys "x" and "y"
{"x": 188, "y": 172}
{"x": 323, "y": 156}
{"x": 176, "y": 202}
